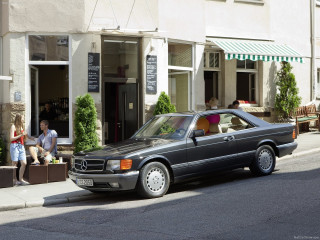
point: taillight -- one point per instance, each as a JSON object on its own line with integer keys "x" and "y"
{"x": 294, "y": 134}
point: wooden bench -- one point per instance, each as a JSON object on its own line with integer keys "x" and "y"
{"x": 306, "y": 114}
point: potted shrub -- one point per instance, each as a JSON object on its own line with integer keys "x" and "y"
{"x": 287, "y": 98}
{"x": 164, "y": 105}
{"x": 85, "y": 124}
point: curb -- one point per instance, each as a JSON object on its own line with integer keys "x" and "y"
{"x": 43, "y": 202}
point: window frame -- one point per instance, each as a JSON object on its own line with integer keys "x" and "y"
{"x": 190, "y": 70}
{"x": 29, "y": 64}
{"x": 206, "y": 60}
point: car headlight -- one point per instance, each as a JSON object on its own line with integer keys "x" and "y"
{"x": 123, "y": 164}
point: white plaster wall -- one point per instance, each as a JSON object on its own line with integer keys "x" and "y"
{"x": 81, "y": 45}
{"x": 182, "y": 19}
{"x": 127, "y": 14}
{"x": 288, "y": 29}
{"x": 230, "y": 76}
{"x": 269, "y": 89}
{"x": 80, "y": 16}
{"x": 237, "y": 20}
{"x": 160, "y": 49}
{"x": 302, "y": 73}
{"x": 14, "y": 65}
{"x": 46, "y": 16}
{"x": 198, "y": 101}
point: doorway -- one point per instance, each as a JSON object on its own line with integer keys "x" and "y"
{"x": 211, "y": 85}
{"x": 121, "y": 110}
{"x": 121, "y": 88}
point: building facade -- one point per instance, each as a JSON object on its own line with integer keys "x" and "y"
{"x": 125, "y": 53}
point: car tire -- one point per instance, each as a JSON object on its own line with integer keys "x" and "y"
{"x": 264, "y": 162}
{"x": 154, "y": 180}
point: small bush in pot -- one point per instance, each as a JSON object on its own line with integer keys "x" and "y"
{"x": 85, "y": 124}
{"x": 164, "y": 105}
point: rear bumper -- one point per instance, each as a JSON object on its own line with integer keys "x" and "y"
{"x": 106, "y": 182}
{"x": 286, "y": 149}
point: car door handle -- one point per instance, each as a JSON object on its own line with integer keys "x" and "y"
{"x": 228, "y": 138}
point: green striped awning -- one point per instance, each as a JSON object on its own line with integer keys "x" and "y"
{"x": 257, "y": 50}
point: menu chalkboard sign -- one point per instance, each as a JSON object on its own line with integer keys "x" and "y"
{"x": 93, "y": 72}
{"x": 151, "y": 85}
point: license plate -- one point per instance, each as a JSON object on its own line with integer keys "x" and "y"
{"x": 85, "y": 182}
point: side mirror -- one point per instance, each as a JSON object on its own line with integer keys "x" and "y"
{"x": 197, "y": 133}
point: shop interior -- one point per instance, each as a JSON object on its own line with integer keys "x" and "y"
{"x": 50, "y": 98}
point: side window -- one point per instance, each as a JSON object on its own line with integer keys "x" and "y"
{"x": 210, "y": 124}
{"x": 231, "y": 123}
{"x": 221, "y": 123}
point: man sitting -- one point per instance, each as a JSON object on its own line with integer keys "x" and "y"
{"x": 46, "y": 145}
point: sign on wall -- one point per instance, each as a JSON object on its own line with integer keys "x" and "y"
{"x": 151, "y": 83}
{"x": 93, "y": 72}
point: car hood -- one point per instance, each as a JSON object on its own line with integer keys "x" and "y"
{"x": 128, "y": 146}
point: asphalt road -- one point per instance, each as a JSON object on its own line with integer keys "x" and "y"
{"x": 233, "y": 205}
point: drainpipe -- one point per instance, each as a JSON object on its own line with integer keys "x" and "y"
{"x": 313, "y": 51}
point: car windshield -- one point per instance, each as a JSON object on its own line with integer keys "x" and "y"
{"x": 167, "y": 127}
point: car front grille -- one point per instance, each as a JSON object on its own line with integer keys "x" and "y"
{"x": 89, "y": 165}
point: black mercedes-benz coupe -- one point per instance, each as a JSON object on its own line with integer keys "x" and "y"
{"x": 174, "y": 147}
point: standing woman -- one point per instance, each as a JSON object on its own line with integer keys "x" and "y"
{"x": 17, "y": 150}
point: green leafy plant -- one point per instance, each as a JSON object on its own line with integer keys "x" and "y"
{"x": 2, "y": 152}
{"x": 287, "y": 98}
{"x": 166, "y": 128}
{"x": 164, "y": 105}
{"x": 85, "y": 124}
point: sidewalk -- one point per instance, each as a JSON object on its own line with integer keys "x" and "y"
{"x": 65, "y": 192}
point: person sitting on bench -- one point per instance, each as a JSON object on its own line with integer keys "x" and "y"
{"x": 46, "y": 145}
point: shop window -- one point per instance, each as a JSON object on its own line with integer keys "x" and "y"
{"x": 48, "y": 48}
{"x": 50, "y": 98}
{"x": 180, "y": 55}
{"x": 49, "y": 62}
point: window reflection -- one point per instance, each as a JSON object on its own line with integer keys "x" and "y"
{"x": 48, "y": 48}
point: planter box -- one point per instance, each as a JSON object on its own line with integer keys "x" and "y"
{"x": 7, "y": 176}
{"x": 57, "y": 172}
{"x": 37, "y": 174}
{"x": 67, "y": 160}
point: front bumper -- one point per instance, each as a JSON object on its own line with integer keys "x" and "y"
{"x": 104, "y": 182}
{"x": 286, "y": 149}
